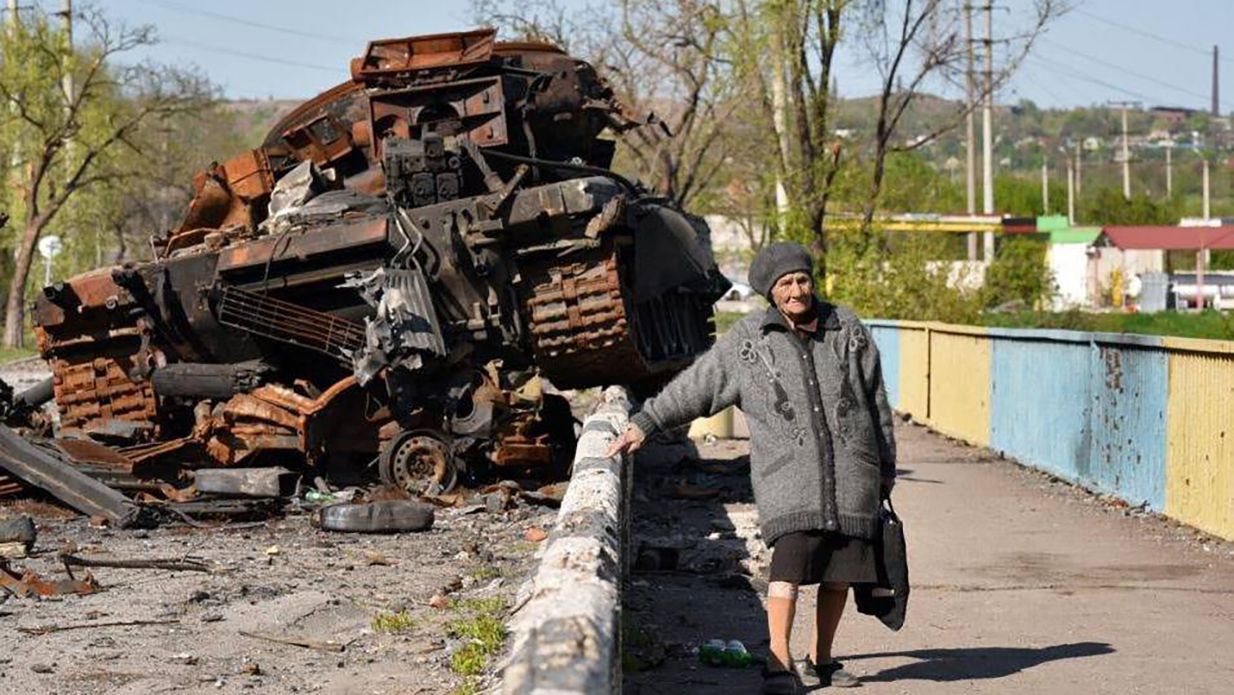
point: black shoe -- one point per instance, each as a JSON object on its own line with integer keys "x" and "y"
{"x": 833, "y": 674}
{"x": 780, "y": 682}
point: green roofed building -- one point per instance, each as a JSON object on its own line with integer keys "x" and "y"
{"x": 1068, "y": 258}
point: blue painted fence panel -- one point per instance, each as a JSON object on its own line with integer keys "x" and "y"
{"x": 887, "y": 338}
{"x": 1128, "y": 422}
{"x": 1040, "y": 403}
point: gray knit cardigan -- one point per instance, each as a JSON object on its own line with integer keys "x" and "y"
{"x": 821, "y": 432}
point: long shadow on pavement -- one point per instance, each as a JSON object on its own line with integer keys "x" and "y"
{"x": 976, "y": 663}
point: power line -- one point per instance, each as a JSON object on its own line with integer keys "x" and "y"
{"x": 1146, "y": 34}
{"x": 1120, "y": 68}
{"x": 252, "y": 56}
{"x": 1041, "y": 85}
{"x": 1068, "y": 70}
{"x": 188, "y": 9}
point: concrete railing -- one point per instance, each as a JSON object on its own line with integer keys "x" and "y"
{"x": 566, "y": 636}
{"x": 1143, "y": 418}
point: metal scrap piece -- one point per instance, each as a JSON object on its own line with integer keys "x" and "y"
{"x": 29, "y": 584}
{"x": 66, "y": 483}
{"x": 172, "y": 564}
{"x": 405, "y": 327}
{"x": 297, "y": 187}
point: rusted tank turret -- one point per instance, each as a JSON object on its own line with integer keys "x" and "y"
{"x": 388, "y": 279}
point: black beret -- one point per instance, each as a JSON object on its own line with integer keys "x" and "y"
{"x": 777, "y": 260}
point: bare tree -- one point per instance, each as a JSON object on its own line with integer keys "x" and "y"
{"x": 914, "y": 43}
{"x": 67, "y": 142}
{"x": 664, "y": 59}
{"x": 790, "y": 49}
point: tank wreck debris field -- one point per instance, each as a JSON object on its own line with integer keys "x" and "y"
{"x": 391, "y": 289}
{"x": 362, "y": 326}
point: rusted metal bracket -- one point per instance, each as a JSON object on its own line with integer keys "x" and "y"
{"x": 69, "y": 485}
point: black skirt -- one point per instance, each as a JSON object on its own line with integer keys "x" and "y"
{"x": 812, "y": 557}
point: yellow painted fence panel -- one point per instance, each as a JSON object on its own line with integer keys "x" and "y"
{"x": 1200, "y": 435}
{"x": 914, "y": 370}
{"x": 959, "y": 384}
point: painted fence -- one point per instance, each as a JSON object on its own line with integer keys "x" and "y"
{"x": 1144, "y": 418}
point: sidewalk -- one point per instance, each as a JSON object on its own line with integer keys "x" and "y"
{"x": 1020, "y": 585}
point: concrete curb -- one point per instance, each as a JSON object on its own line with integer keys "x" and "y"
{"x": 566, "y": 630}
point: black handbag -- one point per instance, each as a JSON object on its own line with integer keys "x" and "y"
{"x": 887, "y": 598}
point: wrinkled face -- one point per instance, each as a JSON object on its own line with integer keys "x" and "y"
{"x": 793, "y": 294}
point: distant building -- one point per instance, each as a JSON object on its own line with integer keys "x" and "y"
{"x": 1137, "y": 250}
{"x": 1161, "y": 138}
{"x": 1068, "y": 259}
{"x": 1173, "y": 115}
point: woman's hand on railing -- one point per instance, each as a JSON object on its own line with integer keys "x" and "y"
{"x": 628, "y": 443}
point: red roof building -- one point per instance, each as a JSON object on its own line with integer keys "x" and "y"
{"x": 1167, "y": 238}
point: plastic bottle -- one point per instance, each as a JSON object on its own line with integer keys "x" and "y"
{"x": 735, "y": 655}
{"x": 712, "y": 652}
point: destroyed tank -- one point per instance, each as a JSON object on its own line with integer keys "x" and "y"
{"x": 393, "y": 285}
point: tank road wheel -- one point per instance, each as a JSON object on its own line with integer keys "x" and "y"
{"x": 420, "y": 463}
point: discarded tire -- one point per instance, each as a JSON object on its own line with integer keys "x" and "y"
{"x": 388, "y": 516}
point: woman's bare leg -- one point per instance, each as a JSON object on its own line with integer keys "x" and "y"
{"x": 827, "y": 613}
{"x": 781, "y": 605}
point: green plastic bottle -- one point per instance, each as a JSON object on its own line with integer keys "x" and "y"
{"x": 735, "y": 655}
{"x": 712, "y": 652}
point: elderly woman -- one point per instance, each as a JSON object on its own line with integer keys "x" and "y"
{"x": 806, "y": 374}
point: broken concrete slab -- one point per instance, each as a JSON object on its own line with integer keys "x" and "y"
{"x": 273, "y": 481}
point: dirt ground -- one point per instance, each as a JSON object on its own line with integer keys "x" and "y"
{"x": 1021, "y": 584}
{"x": 283, "y": 578}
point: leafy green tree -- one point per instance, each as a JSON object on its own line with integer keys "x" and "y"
{"x": 1107, "y": 206}
{"x": 663, "y": 60}
{"x": 63, "y": 143}
{"x": 912, "y": 185}
{"x": 907, "y": 281}
{"x": 1019, "y": 274}
{"x": 1021, "y": 196}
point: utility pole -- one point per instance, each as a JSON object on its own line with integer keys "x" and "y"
{"x": 66, "y": 14}
{"x": 1126, "y": 159}
{"x": 1205, "y": 179}
{"x": 1169, "y": 168}
{"x": 779, "y": 106}
{"x": 970, "y": 149}
{"x": 1079, "y": 158}
{"x": 1079, "y": 167}
{"x": 1126, "y": 147}
{"x": 1045, "y": 188}
{"x": 1199, "y": 255}
{"x": 12, "y": 21}
{"x": 1216, "y": 104}
{"x": 987, "y": 131}
{"x": 1070, "y": 194}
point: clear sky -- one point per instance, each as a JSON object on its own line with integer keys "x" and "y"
{"x": 1147, "y": 50}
